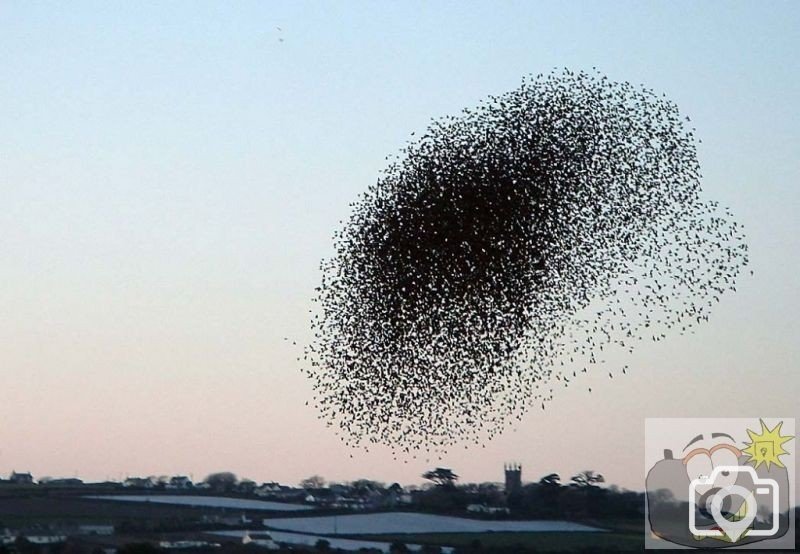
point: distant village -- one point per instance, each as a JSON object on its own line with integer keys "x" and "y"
{"x": 361, "y": 494}
{"x": 175, "y": 512}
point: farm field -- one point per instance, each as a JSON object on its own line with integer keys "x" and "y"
{"x": 407, "y": 522}
{"x": 31, "y": 509}
{"x": 206, "y": 502}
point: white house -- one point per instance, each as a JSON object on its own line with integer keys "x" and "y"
{"x": 267, "y": 489}
{"x": 263, "y": 540}
{"x": 138, "y": 483}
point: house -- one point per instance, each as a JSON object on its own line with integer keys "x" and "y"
{"x": 396, "y": 496}
{"x": 68, "y": 482}
{"x": 138, "y": 483}
{"x": 340, "y": 488}
{"x": 281, "y": 492}
{"x": 263, "y": 540}
{"x": 290, "y": 493}
{"x": 180, "y": 482}
{"x": 105, "y": 485}
{"x": 267, "y": 489}
{"x": 21, "y": 478}
{"x": 246, "y": 486}
{"x": 374, "y": 499}
{"x": 349, "y": 503}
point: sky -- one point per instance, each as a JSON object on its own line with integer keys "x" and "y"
{"x": 171, "y": 174}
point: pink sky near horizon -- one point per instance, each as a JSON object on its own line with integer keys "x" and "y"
{"x": 146, "y": 420}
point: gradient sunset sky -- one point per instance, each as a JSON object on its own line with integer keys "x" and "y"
{"x": 172, "y": 173}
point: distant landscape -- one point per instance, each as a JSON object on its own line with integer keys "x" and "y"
{"x": 223, "y": 511}
{"x": 226, "y": 513}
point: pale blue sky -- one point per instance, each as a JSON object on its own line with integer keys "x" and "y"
{"x": 171, "y": 174}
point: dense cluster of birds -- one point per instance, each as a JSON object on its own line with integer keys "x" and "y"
{"x": 507, "y": 250}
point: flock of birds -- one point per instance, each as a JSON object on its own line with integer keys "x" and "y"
{"x": 507, "y": 250}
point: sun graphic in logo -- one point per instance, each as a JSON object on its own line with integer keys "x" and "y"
{"x": 767, "y": 446}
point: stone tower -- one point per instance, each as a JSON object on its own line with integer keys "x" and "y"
{"x": 513, "y": 478}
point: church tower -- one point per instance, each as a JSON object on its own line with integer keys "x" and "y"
{"x": 513, "y": 478}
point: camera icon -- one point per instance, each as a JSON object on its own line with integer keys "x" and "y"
{"x": 736, "y": 495}
{"x": 734, "y": 507}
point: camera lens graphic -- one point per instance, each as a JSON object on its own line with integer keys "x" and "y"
{"x": 721, "y": 502}
{"x": 704, "y": 504}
